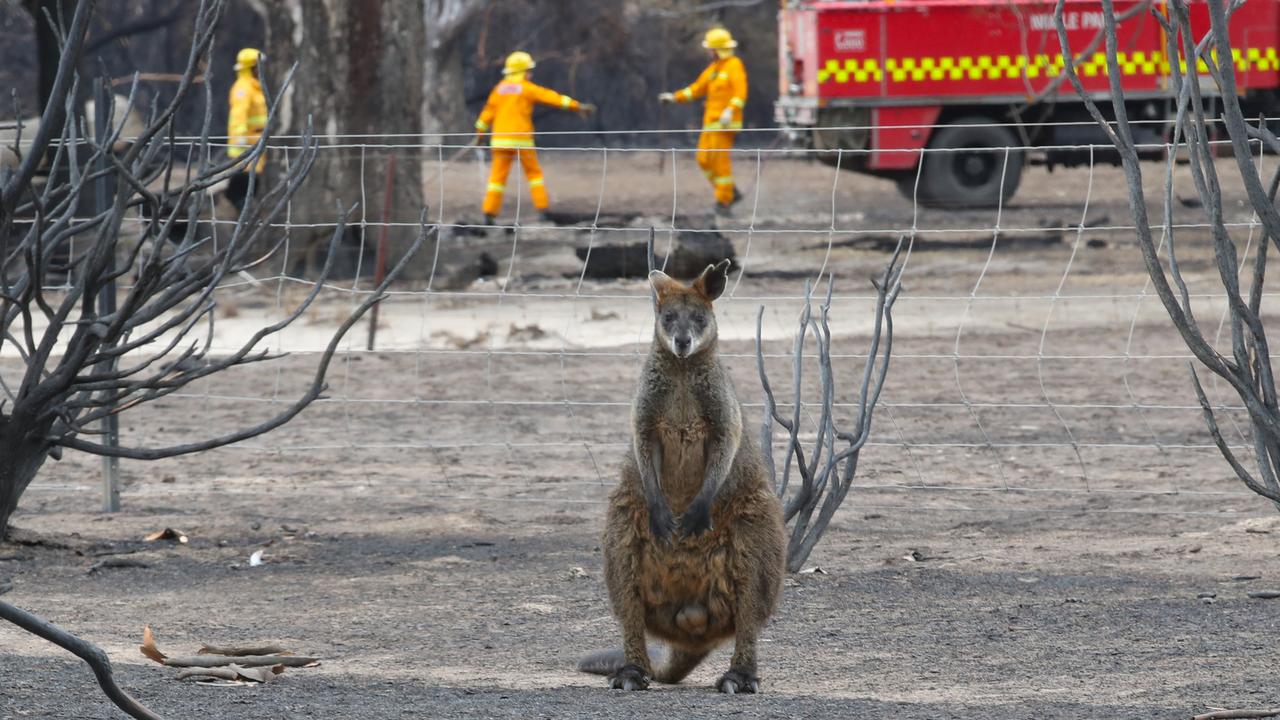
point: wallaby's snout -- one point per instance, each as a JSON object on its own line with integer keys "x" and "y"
{"x": 685, "y": 326}
{"x": 686, "y": 322}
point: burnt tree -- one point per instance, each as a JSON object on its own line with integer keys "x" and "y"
{"x": 88, "y": 353}
{"x": 369, "y": 69}
{"x": 1247, "y": 368}
{"x": 826, "y": 469}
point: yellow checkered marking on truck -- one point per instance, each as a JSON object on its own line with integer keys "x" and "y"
{"x": 1012, "y": 67}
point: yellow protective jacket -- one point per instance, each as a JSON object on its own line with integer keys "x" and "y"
{"x": 247, "y": 118}
{"x": 509, "y": 111}
{"x": 723, "y": 83}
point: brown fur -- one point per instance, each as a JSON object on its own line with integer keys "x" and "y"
{"x": 682, "y": 581}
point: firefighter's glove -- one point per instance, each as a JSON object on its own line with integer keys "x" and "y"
{"x": 726, "y": 117}
{"x": 586, "y": 109}
{"x": 665, "y": 98}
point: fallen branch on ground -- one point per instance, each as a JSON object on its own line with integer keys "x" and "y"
{"x": 233, "y": 673}
{"x": 281, "y": 658}
{"x": 1231, "y": 714}
{"x": 212, "y": 661}
{"x": 238, "y": 651}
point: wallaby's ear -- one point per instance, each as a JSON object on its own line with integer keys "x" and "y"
{"x": 662, "y": 283}
{"x": 712, "y": 281}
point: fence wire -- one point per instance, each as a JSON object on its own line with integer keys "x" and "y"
{"x": 1031, "y": 360}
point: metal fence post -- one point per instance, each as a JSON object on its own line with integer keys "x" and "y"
{"x": 106, "y": 306}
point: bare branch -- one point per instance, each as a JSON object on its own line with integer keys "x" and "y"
{"x": 1212, "y": 423}
{"x": 1090, "y": 47}
{"x": 71, "y": 51}
{"x": 317, "y": 388}
{"x": 86, "y": 651}
{"x": 828, "y": 475}
{"x": 1248, "y": 370}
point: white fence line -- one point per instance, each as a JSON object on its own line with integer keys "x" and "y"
{"x": 1129, "y": 348}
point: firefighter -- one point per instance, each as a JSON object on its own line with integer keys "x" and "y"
{"x": 245, "y": 122}
{"x": 724, "y": 84}
{"x": 508, "y": 115}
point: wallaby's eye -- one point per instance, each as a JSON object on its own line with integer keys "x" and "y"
{"x": 669, "y": 317}
{"x": 699, "y": 320}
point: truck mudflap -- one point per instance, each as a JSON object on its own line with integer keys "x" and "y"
{"x": 899, "y": 134}
{"x": 880, "y": 139}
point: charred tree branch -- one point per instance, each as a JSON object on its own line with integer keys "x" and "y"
{"x": 827, "y": 475}
{"x": 83, "y": 649}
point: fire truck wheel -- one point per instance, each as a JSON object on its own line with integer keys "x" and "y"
{"x": 966, "y": 170}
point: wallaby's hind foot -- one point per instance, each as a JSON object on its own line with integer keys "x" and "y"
{"x": 629, "y": 677}
{"x": 734, "y": 682}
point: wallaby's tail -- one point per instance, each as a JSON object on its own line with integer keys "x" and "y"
{"x": 604, "y": 662}
{"x": 678, "y": 663}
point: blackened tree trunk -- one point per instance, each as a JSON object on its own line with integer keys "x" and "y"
{"x": 368, "y": 69}
{"x": 444, "y": 107}
{"x": 20, "y": 459}
{"x": 47, "y": 50}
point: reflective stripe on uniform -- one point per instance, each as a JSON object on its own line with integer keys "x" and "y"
{"x": 737, "y": 102}
{"x": 539, "y": 181}
{"x": 735, "y": 125}
{"x": 238, "y": 143}
{"x": 496, "y": 187}
{"x": 258, "y": 120}
{"x": 511, "y": 142}
{"x": 686, "y": 93}
{"x": 482, "y": 125}
{"x": 565, "y": 101}
{"x": 723, "y": 180}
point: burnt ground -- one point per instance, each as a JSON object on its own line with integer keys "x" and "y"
{"x": 432, "y": 530}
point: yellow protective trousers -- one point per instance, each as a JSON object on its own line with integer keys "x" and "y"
{"x": 502, "y": 159}
{"x": 716, "y": 163}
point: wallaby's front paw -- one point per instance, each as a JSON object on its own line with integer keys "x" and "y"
{"x": 696, "y": 520}
{"x": 629, "y": 677}
{"x": 734, "y": 682}
{"x": 661, "y": 523}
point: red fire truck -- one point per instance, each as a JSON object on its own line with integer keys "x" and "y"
{"x": 884, "y": 79}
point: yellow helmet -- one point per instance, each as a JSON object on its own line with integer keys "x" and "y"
{"x": 518, "y": 62}
{"x": 719, "y": 39}
{"x": 248, "y": 58}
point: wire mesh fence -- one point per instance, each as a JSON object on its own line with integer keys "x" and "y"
{"x": 1032, "y": 363}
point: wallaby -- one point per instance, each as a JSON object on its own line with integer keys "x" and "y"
{"x": 717, "y": 572}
